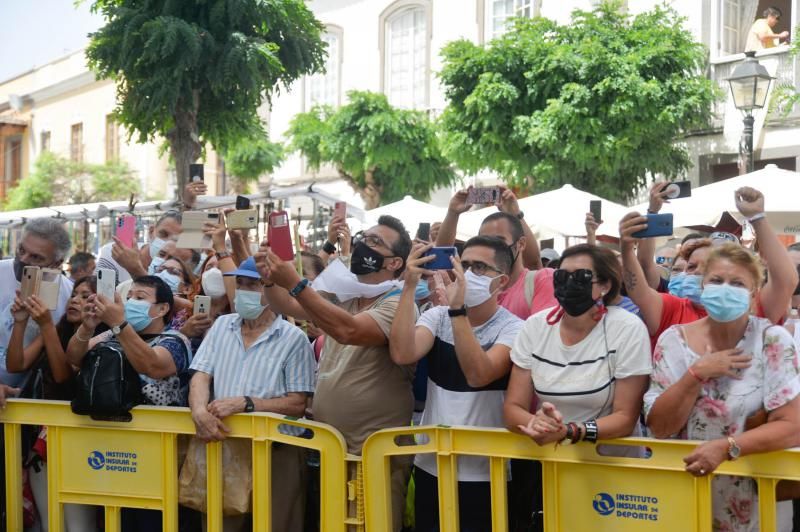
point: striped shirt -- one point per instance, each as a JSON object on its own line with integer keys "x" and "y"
{"x": 280, "y": 361}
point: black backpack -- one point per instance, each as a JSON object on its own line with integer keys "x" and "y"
{"x": 107, "y": 386}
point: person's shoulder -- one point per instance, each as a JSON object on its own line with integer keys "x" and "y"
{"x": 435, "y": 313}
{"x": 289, "y": 331}
{"x": 505, "y": 317}
{"x": 173, "y": 334}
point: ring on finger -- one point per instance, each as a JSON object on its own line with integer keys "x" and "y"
{"x": 702, "y": 471}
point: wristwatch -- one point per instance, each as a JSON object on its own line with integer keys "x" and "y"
{"x": 453, "y": 312}
{"x": 248, "y": 405}
{"x": 118, "y": 328}
{"x": 733, "y": 449}
{"x": 521, "y": 215}
{"x": 294, "y": 292}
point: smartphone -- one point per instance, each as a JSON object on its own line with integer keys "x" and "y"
{"x": 678, "y": 189}
{"x": 279, "y": 236}
{"x": 30, "y": 280}
{"x": 242, "y": 203}
{"x": 595, "y": 207}
{"x": 340, "y": 210}
{"x": 483, "y": 195}
{"x": 657, "y": 225}
{"x": 106, "y": 283}
{"x": 442, "y": 260}
{"x": 202, "y": 305}
{"x": 192, "y": 236}
{"x": 126, "y": 230}
{"x": 196, "y": 172}
{"x": 243, "y": 219}
{"x": 49, "y": 286}
{"x": 424, "y": 232}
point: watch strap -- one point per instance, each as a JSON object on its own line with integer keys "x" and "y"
{"x": 453, "y": 312}
{"x": 328, "y": 248}
{"x": 249, "y": 406}
{"x": 294, "y": 292}
{"x": 119, "y": 328}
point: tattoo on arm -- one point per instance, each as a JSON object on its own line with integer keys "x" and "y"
{"x": 630, "y": 280}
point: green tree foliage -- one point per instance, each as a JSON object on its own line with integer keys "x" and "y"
{"x": 196, "y": 71}
{"x": 385, "y": 153}
{"x": 787, "y": 95}
{"x": 59, "y": 181}
{"x": 247, "y": 160}
{"x": 598, "y": 103}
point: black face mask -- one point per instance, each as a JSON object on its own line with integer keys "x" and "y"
{"x": 573, "y": 290}
{"x": 365, "y": 260}
{"x": 19, "y": 266}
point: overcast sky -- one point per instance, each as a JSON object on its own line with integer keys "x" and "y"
{"x": 37, "y": 31}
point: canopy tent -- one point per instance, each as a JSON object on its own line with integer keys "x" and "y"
{"x": 559, "y": 212}
{"x": 410, "y": 211}
{"x": 710, "y": 206}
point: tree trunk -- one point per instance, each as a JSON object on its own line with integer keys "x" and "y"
{"x": 371, "y": 193}
{"x": 184, "y": 140}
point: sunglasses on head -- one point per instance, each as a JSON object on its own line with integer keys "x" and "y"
{"x": 581, "y": 276}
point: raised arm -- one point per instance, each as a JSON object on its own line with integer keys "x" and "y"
{"x": 447, "y": 231}
{"x": 407, "y": 342}
{"x": 777, "y": 293}
{"x": 531, "y": 257}
{"x": 646, "y": 250}
{"x": 18, "y": 358}
{"x": 648, "y": 300}
{"x": 62, "y": 370}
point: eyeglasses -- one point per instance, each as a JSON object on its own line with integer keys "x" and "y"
{"x": 581, "y": 276}
{"x": 479, "y": 268}
{"x": 372, "y": 241}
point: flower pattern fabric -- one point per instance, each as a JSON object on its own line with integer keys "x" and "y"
{"x": 725, "y": 403}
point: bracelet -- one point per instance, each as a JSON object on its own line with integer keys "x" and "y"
{"x": 223, "y": 255}
{"x": 591, "y": 431}
{"x": 694, "y": 374}
{"x": 569, "y": 437}
{"x": 576, "y": 433}
{"x": 756, "y": 217}
{"x": 329, "y": 248}
{"x": 78, "y": 336}
{"x": 294, "y": 292}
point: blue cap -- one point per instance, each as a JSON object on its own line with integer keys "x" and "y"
{"x": 246, "y": 269}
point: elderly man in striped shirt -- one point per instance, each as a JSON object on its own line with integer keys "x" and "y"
{"x": 256, "y": 362}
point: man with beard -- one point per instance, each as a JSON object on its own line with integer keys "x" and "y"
{"x": 359, "y": 389}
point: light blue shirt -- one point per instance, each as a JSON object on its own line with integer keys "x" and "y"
{"x": 279, "y": 362}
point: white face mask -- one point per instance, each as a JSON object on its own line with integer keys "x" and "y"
{"x": 213, "y": 283}
{"x": 477, "y": 291}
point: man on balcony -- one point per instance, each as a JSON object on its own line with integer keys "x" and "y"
{"x": 761, "y": 35}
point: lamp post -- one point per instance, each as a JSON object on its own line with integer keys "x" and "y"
{"x": 749, "y": 86}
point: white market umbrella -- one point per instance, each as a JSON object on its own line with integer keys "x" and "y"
{"x": 410, "y": 211}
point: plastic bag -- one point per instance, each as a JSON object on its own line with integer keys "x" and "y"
{"x": 237, "y": 486}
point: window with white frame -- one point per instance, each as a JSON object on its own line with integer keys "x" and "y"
{"x": 500, "y": 11}
{"x": 406, "y": 58}
{"x": 324, "y": 88}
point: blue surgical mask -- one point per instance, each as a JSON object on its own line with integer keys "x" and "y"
{"x": 155, "y": 246}
{"x": 676, "y": 283}
{"x": 155, "y": 263}
{"x": 724, "y": 302}
{"x": 693, "y": 288}
{"x": 248, "y": 304}
{"x": 172, "y": 280}
{"x": 137, "y": 313}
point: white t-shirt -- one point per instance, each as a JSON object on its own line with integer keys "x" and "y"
{"x": 8, "y": 291}
{"x": 450, "y": 400}
{"x": 579, "y": 379}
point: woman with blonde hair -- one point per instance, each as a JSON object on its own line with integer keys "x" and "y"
{"x": 710, "y": 375}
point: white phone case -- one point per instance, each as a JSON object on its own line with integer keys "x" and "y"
{"x": 49, "y": 286}
{"x": 106, "y": 283}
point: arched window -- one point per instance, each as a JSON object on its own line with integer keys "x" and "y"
{"x": 405, "y": 49}
{"x": 326, "y": 88}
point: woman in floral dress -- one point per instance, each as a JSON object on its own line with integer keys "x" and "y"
{"x": 709, "y": 376}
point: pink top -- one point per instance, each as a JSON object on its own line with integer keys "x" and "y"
{"x": 514, "y": 299}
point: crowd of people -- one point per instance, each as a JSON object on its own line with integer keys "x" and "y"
{"x": 696, "y": 339}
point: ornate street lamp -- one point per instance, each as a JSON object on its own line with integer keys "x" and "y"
{"x": 749, "y": 85}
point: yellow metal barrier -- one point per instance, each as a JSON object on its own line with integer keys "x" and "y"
{"x": 582, "y": 490}
{"x": 135, "y": 465}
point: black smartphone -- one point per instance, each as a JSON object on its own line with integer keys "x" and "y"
{"x": 196, "y": 173}
{"x": 679, "y": 189}
{"x": 595, "y": 207}
{"x": 424, "y": 232}
{"x": 242, "y": 203}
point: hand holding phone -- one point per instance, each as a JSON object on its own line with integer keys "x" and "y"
{"x": 483, "y": 195}
{"x": 106, "y": 283}
{"x": 196, "y": 172}
{"x": 595, "y": 207}
{"x": 126, "y": 230}
{"x": 657, "y": 225}
{"x": 678, "y": 189}
{"x": 340, "y": 210}
{"x": 279, "y": 235}
{"x": 202, "y": 305}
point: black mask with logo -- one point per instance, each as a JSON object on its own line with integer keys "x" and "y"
{"x": 573, "y": 290}
{"x": 365, "y": 260}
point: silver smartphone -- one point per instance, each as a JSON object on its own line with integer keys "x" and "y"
{"x": 106, "y": 283}
{"x": 202, "y": 305}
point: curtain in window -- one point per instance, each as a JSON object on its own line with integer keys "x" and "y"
{"x": 406, "y": 59}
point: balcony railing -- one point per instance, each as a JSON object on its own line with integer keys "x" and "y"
{"x": 778, "y": 60}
